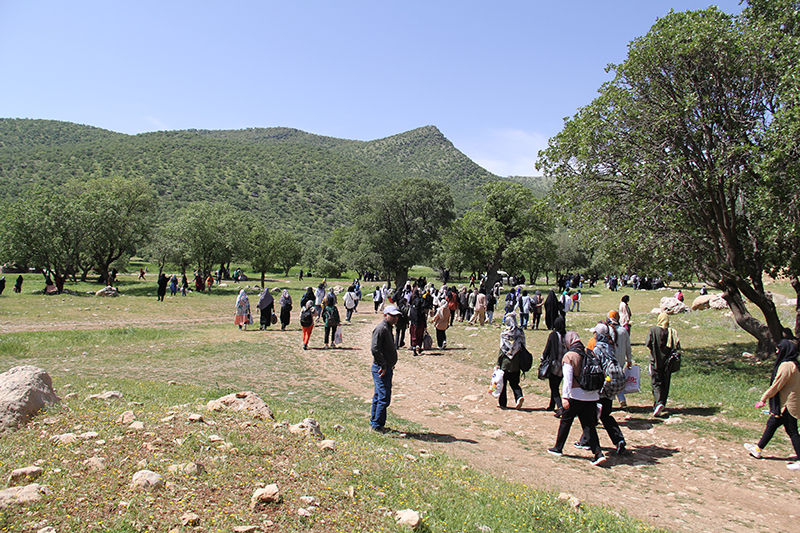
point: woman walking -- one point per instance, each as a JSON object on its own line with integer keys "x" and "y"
{"x": 441, "y": 321}
{"x": 243, "y": 316}
{"x": 783, "y": 396}
{"x": 266, "y": 305}
{"x": 286, "y": 309}
{"x": 331, "y": 317}
{"x": 554, "y": 353}
{"x": 162, "y": 287}
{"x": 307, "y": 321}
{"x": 663, "y": 342}
{"x": 625, "y": 313}
{"x": 512, "y": 340}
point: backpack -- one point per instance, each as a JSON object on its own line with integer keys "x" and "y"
{"x": 592, "y": 377}
{"x": 615, "y": 375}
{"x": 307, "y": 317}
{"x": 525, "y": 359}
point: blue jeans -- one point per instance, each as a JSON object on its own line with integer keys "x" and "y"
{"x": 382, "y": 397}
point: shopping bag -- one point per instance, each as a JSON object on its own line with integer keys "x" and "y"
{"x": 337, "y": 337}
{"x": 632, "y": 380}
{"x": 427, "y": 341}
{"x": 496, "y": 386}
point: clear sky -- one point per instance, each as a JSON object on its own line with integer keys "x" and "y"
{"x": 496, "y": 77}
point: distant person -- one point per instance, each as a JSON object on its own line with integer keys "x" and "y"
{"x": 286, "y": 309}
{"x": 550, "y": 309}
{"x": 266, "y": 306}
{"x": 377, "y": 298}
{"x": 350, "y": 302}
{"x": 301, "y": 275}
{"x": 184, "y": 285}
{"x": 162, "y": 287}
{"x": 141, "y": 274}
{"x": 441, "y": 321}
{"x": 625, "y": 313}
{"x": 384, "y": 359}
{"x": 18, "y": 284}
{"x": 173, "y": 285}
{"x": 243, "y": 316}
{"x": 622, "y": 349}
{"x": 2, "y": 285}
{"x": 307, "y": 297}
{"x": 663, "y": 342}
{"x": 537, "y": 303}
{"x": 783, "y": 396}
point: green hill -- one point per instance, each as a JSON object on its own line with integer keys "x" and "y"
{"x": 289, "y": 177}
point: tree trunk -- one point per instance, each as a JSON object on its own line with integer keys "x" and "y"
{"x": 263, "y": 275}
{"x": 766, "y": 342}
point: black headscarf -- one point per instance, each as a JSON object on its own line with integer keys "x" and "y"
{"x": 787, "y": 352}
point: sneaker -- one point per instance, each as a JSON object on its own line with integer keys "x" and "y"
{"x": 554, "y": 451}
{"x": 623, "y": 404}
{"x": 658, "y": 410}
{"x": 558, "y": 413}
{"x": 305, "y": 346}
{"x": 599, "y": 459}
{"x": 621, "y": 450}
{"x": 581, "y": 446}
{"x": 754, "y": 450}
{"x": 380, "y": 429}
{"x": 414, "y": 350}
{"x": 794, "y": 466}
{"x": 444, "y": 345}
{"x": 519, "y": 403}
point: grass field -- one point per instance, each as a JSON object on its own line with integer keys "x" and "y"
{"x": 169, "y": 358}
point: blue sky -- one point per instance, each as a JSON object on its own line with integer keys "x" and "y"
{"x": 496, "y": 77}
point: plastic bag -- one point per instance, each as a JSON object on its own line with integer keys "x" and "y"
{"x": 337, "y": 337}
{"x": 633, "y": 381}
{"x": 496, "y": 386}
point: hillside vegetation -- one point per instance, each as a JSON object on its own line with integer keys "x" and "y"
{"x": 301, "y": 181}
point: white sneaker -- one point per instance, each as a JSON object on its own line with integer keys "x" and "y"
{"x": 658, "y": 409}
{"x": 754, "y": 450}
{"x": 519, "y": 403}
{"x": 794, "y": 466}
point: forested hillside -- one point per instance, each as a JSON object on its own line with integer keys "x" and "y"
{"x": 301, "y": 181}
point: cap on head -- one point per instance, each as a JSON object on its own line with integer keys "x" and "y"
{"x": 391, "y": 310}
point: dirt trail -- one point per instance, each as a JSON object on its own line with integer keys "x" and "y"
{"x": 672, "y": 479}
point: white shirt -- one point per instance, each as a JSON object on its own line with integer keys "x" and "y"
{"x": 575, "y": 393}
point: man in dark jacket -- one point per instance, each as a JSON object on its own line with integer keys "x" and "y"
{"x": 384, "y": 354}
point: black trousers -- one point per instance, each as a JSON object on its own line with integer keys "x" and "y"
{"x": 555, "y": 392}
{"x": 510, "y": 379}
{"x": 789, "y": 423}
{"x": 586, "y": 412}
{"x": 609, "y": 422}
{"x": 441, "y": 337}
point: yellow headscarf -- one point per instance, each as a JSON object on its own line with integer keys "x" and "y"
{"x": 672, "y": 337}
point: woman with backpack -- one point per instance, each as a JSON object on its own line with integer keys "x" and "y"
{"x": 243, "y": 316}
{"x": 377, "y": 298}
{"x": 577, "y": 402}
{"x": 307, "y": 316}
{"x": 512, "y": 340}
{"x": 605, "y": 347}
{"x": 331, "y": 317}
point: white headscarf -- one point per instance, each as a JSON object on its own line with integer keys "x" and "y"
{"x": 512, "y": 338}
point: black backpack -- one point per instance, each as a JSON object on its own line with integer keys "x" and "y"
{"x": 592, "y": 376}
{"x": 525, "y": 359}
{"x": 307, "y": 317}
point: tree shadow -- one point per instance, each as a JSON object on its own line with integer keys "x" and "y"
{"x": 433, "y": 437}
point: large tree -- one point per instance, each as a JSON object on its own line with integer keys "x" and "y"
{"x": 401, "y": 222}
{"x": 509, "y": 220}
{"x": 667, "y": 162}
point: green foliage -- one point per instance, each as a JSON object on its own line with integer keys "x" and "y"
{"x": 401, "y": 222}
{"x": 665, "y": 167}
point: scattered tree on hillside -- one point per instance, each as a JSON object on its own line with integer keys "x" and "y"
{"x": 401, "y": 222}
{"x": 668, "y": 162}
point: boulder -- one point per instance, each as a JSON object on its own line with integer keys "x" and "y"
{"x": 265, "y": 496}
{"x": 247, "y": 401}
{"x": 147, "y": 480}
{"x": 107, "y": 291}
{"x": 718, "y": 302}
{"x": 21, "y": 495}
{"x": 701, "y": 302}
{"x": 24, "y": 475}
{"x": 408, "y": 517}
{"x": 672, "y": 306}
{"x": 24, "y": 392}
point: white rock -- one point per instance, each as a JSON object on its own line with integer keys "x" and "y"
{"x": 24, "y": 392}
{"x": 303, "y": 512}
{"x": 265, "y": 496}
{"x": 126, "y": 418}
{"x": 247, "y": 401}
{"x": 24, "y": 475}
{"x": 147, "y": 480}
{"x": 190, "y": 520}
{"x": 65, "y": 438}
{"x": 107, "y": 395}
{"x": 327, "y": 444}
{"x": 22, "y": 495}
{"x": 96, "y": 464}
{"x": 137, "y": 425}
{"x": 408, "y": 517}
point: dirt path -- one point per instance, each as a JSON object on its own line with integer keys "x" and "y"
{"x": 672, "y": 479}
